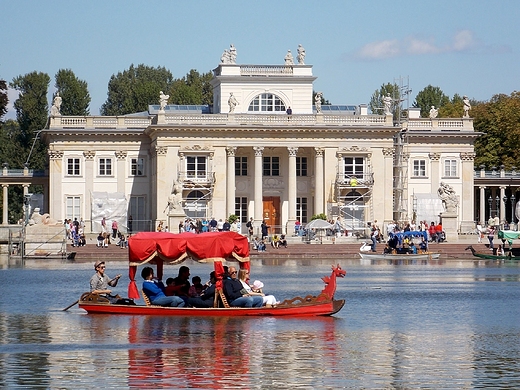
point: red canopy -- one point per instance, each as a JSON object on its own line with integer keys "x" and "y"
{"x": 157, "y": 248}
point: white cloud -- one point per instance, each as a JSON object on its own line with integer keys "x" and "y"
{"x": 379, "y": 50}
{"x": 462, "y": 41}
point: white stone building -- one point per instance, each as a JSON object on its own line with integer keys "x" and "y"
{"x": 249, "y": 157}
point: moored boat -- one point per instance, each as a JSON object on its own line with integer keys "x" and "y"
{"x": 161, "y": 248}
{"x": 505, "y": 254}
{"x": 397, "y": 256}
{"x": 490, "y": 256}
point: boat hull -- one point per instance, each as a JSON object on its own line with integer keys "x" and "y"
{"x": 301, "y": 310}
{"x": 392, "y": 256}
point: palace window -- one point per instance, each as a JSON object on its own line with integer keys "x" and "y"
{"x": 450, "y": 168}
{"x": 73, "y": 204}
{"x": 301, "y": 166}
{"x": 354, "y": 167}
{"x": 196, "y": 204}
{"x": 271, "y": 166}
{"x": 105, "y": 167}
{"x": 73, "y": 167}
{"x": 240, "y": 166}
{"x": 137, "y": 167}
{"x": 301, "y": 209}
{"x": 266, "y": 102}
{"x": 419, "y": 168}
{"x": 241, "y": 208}
{"x": 196, "y": 167}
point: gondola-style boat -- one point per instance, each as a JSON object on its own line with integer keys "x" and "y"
{"x": 160, "y": 248}
{"x": 398, "y": 238}
{"x": 504, "y": 235}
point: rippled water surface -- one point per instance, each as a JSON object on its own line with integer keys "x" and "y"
{"x": 453, "y": 325}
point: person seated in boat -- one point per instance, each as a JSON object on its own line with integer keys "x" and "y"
{"x": 423, "y": 245}
{"x": 154, "y": 290}
{"x": 283, "y": 241}
{"x": 412, "y": 249}
{"x": 257, "y": 288}
{"x": 208, "y": 296}
{"x": 235, "y": 293}
{"x": 387, "y": 250}
{"x": 180, "y": 285}
{"x": 196, "y": 287}
{"x": 100, "y": 282}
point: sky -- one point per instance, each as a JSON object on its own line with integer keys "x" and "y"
{"x": 466, "y": 47}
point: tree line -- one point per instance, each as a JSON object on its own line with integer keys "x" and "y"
{"x": 137, "y": 87}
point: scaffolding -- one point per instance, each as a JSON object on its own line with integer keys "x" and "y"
{"x": 401, "y": 97}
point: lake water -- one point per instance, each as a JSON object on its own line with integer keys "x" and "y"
{"x": 451, "y": 325}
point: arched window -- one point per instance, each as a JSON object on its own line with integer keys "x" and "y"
{"x": 266, "y": 102}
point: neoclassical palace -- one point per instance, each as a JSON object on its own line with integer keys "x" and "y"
{"x": 249, "y": 155}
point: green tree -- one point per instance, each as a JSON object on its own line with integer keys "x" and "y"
{"x": 74, "y": 92}
{"x": 376, "y": 104}
{"x": 428, "y": 97}
{"x": 193, "y": 88}
{"x": 133, "y": 90}
{"x": 3, "y": 99}
{"x": 32, "y": 113}
{"x": 499, "y": 120}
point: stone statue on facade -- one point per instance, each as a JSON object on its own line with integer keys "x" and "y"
{"x": 175, "y": 198}
{"x": 467, "y": 106}
{"x": 56, "y": 105}
{"x": 317, "y": 102}
{"x": 449, "y": 198}
{"x": 163, "y": 100}
{"x": 433, "y": 112}
{"x": 233, "y": 102}
{"x": 387, "y": 102}
{"x": 289, "y": 59}
{"x": 301, "y": 55}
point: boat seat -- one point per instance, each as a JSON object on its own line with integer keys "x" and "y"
{"x": 220, "y": 297}
{"x": 146, "y": 299}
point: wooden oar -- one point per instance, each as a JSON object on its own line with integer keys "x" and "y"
{"x": 68, "y": 307}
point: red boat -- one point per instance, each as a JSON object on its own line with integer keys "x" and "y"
{"x": 160, "y": 248}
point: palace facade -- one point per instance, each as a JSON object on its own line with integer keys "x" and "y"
{"x": 248, "y": 155}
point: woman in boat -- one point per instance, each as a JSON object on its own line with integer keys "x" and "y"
{"x": 236, "y": 294}
{"x": 243, "y": 276}
{"x": 155, "y": 291}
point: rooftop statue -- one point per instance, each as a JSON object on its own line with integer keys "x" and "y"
{"x": 449, "y": 198}
{"x": 289, "y": 60}
{"x": 387, "y": 102}
{"x": 433, "y": 112}
{"x": 163, "y": 100}
{"x": 467, "y": 106}
{"x": 229, "y": 56}
{"x": 301, "y": 55}
{"x": 56, "y": 105}
{"x": 317, "y": 102}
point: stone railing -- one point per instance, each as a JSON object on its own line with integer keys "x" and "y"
{"x": 263, "y": 70}
{"x": 439, "y": 124}
{"x": 101, "y": 122}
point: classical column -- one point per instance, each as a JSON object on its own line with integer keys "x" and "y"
{"x": 292, "y": 191}
{"x": 502, "y": 205}
{"x": 435, "y": 170}
{"x": 258, "y": 198}
{"x": 318, "y": 185}
{"x": 230, "y": 180}
{"x": 5, "y": 220}
{"x": 121, "y": 170}
{"x": 90, "y": 174}
{"x": 162, "y": 186}
{"x": 482, "y": 211}
{"x": 56, "y": 198}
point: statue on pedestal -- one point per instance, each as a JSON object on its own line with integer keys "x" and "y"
{"x": 433, "y": 112}
{"x": 449, "y": 198}
{"x": 56, "y": 105}
{"x": 163, "y": 100}
{"x": 301, "y": 55}
{"x": 232, "y": 101}
{"x": 467, "y": 106}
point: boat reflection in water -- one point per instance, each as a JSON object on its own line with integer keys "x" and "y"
{"x": 218, "y": 352}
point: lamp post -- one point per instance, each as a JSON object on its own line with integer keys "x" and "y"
{"x": 497, "y": 199}
{"x": 490, "y": 201}
{"x": 513, "y": 210}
